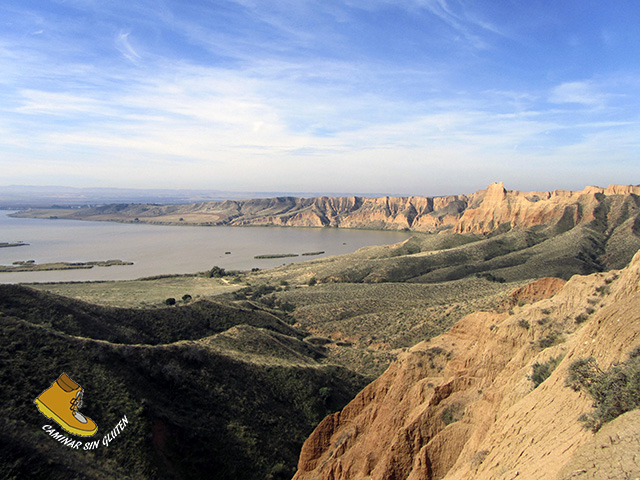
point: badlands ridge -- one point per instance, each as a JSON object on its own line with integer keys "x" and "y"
{"x": 481, "y": 212}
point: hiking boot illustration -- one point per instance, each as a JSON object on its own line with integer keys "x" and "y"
{"x": 61, "y": 402}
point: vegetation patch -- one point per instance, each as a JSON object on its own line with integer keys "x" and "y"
{"x": 614, "y": 391}
{"x": 542, "y": 371}
{"x": 452, "y": 413}
{"x": 275, "y": 255}
{"x": 217, "y": 272}
{"x": 196, "y": 409}
{"x": 491, "y": 277}
{"x": 550, "y": 340}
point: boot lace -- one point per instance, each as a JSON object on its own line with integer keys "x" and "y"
{"x": 76, "y": 402}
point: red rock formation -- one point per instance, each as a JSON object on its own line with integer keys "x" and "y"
{"x": 538, "y": 290}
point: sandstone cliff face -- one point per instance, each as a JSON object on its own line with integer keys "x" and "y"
{"x": 481, "y": 212}
{"x": 463, "y": 406}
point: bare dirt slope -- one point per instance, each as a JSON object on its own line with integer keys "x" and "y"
{"x": 463, "y": 405}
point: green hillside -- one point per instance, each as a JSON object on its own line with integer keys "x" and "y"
{"x": 201, "y": 407}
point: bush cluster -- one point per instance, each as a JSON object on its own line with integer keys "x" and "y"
{"x": 542, "y": 371}
{"x": 614, "y": 391}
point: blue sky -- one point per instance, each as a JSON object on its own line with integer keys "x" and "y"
{"x": 424, "y": 97}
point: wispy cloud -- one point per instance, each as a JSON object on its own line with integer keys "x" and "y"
{"x": 291, "y": 93}
{"x": 123, "y": 45}
{"x": 583, "y": 93}
{"x": 54, "y": 103}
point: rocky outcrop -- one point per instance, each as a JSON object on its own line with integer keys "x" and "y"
{"x": 463, "y": 404}
{"x": 481, "y": 212}
{"x": 540, "y": 289}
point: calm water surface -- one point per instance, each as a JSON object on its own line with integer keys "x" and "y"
{"x": 157, "y": 250}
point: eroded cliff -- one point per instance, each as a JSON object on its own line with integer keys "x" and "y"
{"x": 481, "y": 212}
{"x": 463, "y": 405}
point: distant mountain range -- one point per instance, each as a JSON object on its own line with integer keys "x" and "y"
{"x": 26, "y": 196}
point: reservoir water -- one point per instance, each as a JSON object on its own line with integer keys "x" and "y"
{"x": 159, "y": 250}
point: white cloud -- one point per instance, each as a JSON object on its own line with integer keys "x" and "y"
{"x": 584, "y": 93}
{"x": 55, "y": 103}
{"x": 123, "y": 45}
{"x": 244, "y": 112}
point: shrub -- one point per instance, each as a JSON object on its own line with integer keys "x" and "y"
{"x": 452, "y": 413}
{"x": 186, "y": 298}
{"x": 614, "y": 392}
{"x": 312, "y": 281}
{"x": 523, "y": 323}
{"x": 269, "y": 301}
{"x": 170, "y": 301}
{"x": 611, "y": 279}
{"x": 479, "y": 457}
{"x": 287, "y": 306}
{"x": 491, "y": 277}
{"x": 261, "y": 291}
{"x": 217, "y": 272}
{"x": 550, "y": 340}
{"x": 581, "y": 318}
{"x": 542, "y": 371}
{"x": 324, "y": 394}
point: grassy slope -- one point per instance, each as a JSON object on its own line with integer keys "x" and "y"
{"x": 142, "y": 293}
{"x": 379, "y": 299}
{"x": 197, "y": 408}
{"x": 251, "y": 386}
{"x": 120, "y": 325}
{"x": 383, "y": 298}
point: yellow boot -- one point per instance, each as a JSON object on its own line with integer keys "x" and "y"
{"x": 61, "y": 402}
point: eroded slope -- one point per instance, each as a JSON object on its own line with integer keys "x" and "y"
{"x": 463, "y": 404}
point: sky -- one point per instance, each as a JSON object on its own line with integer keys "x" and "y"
{"x": 408, "y": 97}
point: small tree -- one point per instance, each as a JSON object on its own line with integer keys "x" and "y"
{"x": 312, "y": 281}
{"x": 170, "y": 301}
{"x": 217, "y": 272}
{"x": 324, "y": 394}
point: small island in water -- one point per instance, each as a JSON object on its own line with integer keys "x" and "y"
{"x": 12, "y": 244}
{"x": 32, "y": 266}
{"x": 285, "y": 255}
